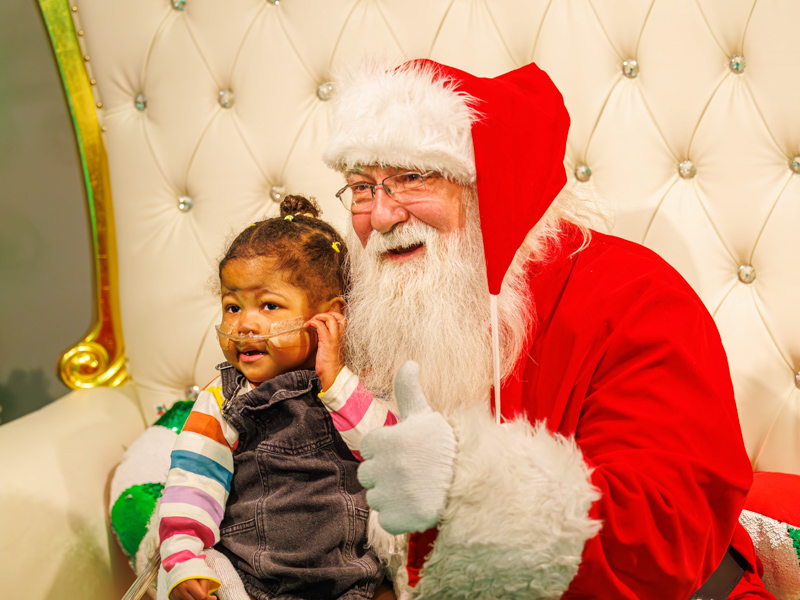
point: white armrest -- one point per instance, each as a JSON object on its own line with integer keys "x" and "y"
{"x": 53, "y": 476}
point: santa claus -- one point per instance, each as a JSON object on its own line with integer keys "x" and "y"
{"x": 599, "y": 475}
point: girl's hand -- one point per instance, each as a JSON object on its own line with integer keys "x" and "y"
{"x": 330, "y": 354}
{"x": 192, "y": 589}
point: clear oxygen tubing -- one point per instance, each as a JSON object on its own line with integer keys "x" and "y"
{"x": 495, "y": 355}
{"x": 145, "y": 580}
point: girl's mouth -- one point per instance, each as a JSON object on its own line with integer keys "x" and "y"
{"x": 250, "y": 355}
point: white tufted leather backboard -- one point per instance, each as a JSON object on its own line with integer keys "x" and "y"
{"x": 236, "y": 112}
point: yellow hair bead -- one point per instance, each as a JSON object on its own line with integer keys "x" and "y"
{"x": 335, "y": 246}
{"x": 288, "y": 218}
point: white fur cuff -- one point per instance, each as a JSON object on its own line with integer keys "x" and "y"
{"x": 517, "y": 517}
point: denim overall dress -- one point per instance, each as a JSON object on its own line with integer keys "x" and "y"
{"x": 295, "y": 524}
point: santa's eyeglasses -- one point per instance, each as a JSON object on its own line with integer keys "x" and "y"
{"x": 403, "y": 187}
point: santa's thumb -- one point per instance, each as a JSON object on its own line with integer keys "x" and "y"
{"x": 408, "y": 392}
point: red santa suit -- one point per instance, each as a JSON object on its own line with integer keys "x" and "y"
{"x": 620, "y": 471}
{"x": 625, "y": 360}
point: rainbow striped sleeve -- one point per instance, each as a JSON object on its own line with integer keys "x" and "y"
{"x": 197, "y": 488}
{"x": 354, "y": 410}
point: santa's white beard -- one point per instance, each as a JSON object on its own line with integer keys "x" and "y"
{"x": 433, "y": 309}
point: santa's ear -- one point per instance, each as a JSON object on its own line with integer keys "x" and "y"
{"x": 771, "y": 516}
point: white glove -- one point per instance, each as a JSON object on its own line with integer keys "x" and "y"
{"x": 408, "y": 468}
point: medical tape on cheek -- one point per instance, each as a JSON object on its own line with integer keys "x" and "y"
{"x": 289, "y": 333}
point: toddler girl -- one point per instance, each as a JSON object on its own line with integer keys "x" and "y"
{"x": 260, "y": 469}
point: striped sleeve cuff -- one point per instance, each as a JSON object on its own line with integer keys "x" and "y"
{"x": 335, "y": 397}
{"x": 354, "y": 411}
{"x": 194, "y": 568}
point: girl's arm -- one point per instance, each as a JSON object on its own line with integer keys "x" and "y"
{"x": 196, "y": 491}
{"x": 353, "y": 409}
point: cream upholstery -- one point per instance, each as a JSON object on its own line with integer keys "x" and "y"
{"x": 687, "y": 102}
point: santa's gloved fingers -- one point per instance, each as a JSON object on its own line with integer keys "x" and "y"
{"x": 378, "y": 499}
{"x": 408, "y": 392}
{"x": 368, "y": 473}
{"x": 395, "y": 520}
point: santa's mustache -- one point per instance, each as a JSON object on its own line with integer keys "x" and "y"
{"x": 405, "y": 235}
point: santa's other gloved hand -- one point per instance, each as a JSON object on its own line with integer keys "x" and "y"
{"x": 408, "y": 468}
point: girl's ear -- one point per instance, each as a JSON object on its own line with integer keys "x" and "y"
{"x": 333, "y": 305}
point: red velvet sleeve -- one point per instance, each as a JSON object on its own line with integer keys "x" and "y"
{"x": 659, "y": 426}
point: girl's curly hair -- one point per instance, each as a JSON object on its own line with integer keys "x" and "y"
{"x": 308, "y": 250}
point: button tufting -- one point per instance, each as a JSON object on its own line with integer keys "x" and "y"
{"x": 140, "y": 102}
{"x": 325, "y": 91}
{"x": 687, "y": 170}
{"x": 178, "y": 4}
{"x": 797, "y": 380}
{"x": 190, "y": 392}
{"x": 794, "y": 164}
{"x": 582, "y": 172}
{"x": 226, "y": 98}
{"x": 737, "y": 64}
{"x": 185, "y": 203}
{"x": 277, "y": 192}
{"x": 274, "y": 2}
{"x": 747, "y": 274}
{"x": 630, "y": 68}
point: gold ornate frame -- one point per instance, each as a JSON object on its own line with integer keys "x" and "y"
{"x": 98, "y": 359}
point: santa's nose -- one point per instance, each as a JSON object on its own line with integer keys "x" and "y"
{"x": 386, "y": 211}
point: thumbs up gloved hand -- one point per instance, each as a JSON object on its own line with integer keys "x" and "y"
{"x": 408, "y": 468}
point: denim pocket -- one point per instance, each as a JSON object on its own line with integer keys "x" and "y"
{"x": 238, "y": 529}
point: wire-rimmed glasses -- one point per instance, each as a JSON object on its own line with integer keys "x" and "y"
{"x": 403, "y": 187}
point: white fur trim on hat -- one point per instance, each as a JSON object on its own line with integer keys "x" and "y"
{"x": 400, "y": 117}
{"x": 517, "y": 518}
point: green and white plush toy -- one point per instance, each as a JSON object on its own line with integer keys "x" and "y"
{"x": 138, "y": 483}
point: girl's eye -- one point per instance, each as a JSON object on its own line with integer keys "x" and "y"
{"x": 231, "y": 308}
{"x": 271, "y": 306}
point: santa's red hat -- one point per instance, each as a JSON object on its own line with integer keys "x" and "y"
{"x": 505, "y": 134}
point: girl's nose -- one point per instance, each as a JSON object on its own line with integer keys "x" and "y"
{"x": 248, "y": 322}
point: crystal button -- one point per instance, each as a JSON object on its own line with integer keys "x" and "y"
{"x": 178, "y": 4}
{"x": 797, "y": 380}
{"x": 277, "y": 192}
{"x": 583, "y": 173}
{"x": 275, "y": 2}
{"x": 794, "y": 165}
{"x": 185, "y": 203}
{"x": 325, "y": 91}
{"x": 630, "y": 68}
{"x": 687, "y": 170}
{"x": 190, "y": 392}
{"x": 747, "y": 274}
{"x": 226, "y": 98}
{"x": 737, "y": 64}
{"x": 140, "y": 102}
